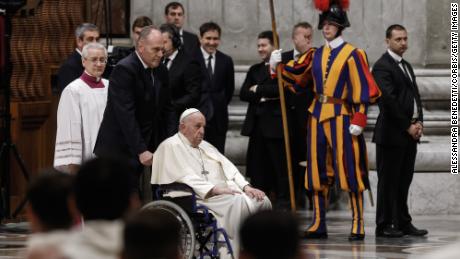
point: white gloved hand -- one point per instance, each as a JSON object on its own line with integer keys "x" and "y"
{"x": 275, "y": 59}
{"x": 355, "y": 130}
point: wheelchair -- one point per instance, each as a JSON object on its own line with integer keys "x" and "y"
{"x": 199, "y": 231}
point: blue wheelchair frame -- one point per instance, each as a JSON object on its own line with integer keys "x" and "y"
{"x": 205, "y": 224}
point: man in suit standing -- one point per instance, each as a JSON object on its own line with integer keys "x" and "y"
{"x": 175, "y": 14}
{"x": 217, "y": 86}
{"x": 184, "y": 72}
{"x": 139, "y": 23}
{"x": 72, "y": 68}
{"x": 397, "y": 131}
{"x": 137, "y": 115}
{"x": 297, "y": 108}
{"x": 265, "y": 160}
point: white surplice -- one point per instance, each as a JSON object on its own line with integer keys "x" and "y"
{"x": 176, "y": 160}
{"x": 79, "y": 117}
{"x": 97, "y": 239}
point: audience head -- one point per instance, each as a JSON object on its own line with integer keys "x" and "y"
{"x": 49, "y": 195}
{"x": 265, "y": 44}
{"x": 150, "y": 46}
{"x": 152, "y": 233}
{"x": 171, "y": 38}
{"x": 94, "y": 58}
{"x": 86, "y": 33}
{"x": 174, "y": 14}
{"x": 396, "y": 39}
{"x": 210, "y": 37}
{"x": 269, "y": 235}
{"x": 191, "y": 124}
{"x": 302, "y": 35}
{"x": 103, "y": 189}
{"x": 137, "y": 26}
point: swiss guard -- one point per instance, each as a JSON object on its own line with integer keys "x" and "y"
{"x": 344, "y": 88}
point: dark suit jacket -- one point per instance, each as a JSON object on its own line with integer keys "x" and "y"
{"x": 216, "y": 93}
{"x": 286, "y": 56}
{"x": 185, "y": 82}
{"x": 136, "y": 117}
{"x": 70, "y": 70}
{"x": 299, "y": 102}
{"x": 397, "y": 102}
{"x": 268, "y": 113}
{"x": 191, "y": 42}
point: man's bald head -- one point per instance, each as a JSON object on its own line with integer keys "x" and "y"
{"x": 150, "y": 46}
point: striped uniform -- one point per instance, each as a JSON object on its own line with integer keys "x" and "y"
{"x": 333, "y": 154}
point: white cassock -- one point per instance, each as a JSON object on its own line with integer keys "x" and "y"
{"x": 97, "y": 239}
{"x": 79, "y": 117}
{"x": 45, "y": 243}
{"x": 176, "y": 160}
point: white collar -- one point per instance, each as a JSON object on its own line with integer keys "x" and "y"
{"x": 296, "y": 53}
{"x": 173, "y": 55}
{"x": 142, "y": 61}
{"x": 181, "y": 32}
{"x": 335, "y": 42}
{"x": 79, "y": 51}
{"x": 184, "y": 139}
{"x": 206, "y": 54}
{"x": 395, "y": 56}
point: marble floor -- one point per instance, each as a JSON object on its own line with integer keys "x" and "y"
{"x": 444, "y": 230}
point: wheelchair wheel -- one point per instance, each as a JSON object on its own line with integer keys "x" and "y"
{"x": 187, "y": 229}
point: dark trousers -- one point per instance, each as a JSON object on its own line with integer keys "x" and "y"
{"x": 395, "y": 170}
{"x": 298, "y": 142}
{"x": 215, "y": 136}
{"x": 266, "y": 164}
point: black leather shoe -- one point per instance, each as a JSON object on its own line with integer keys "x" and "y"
{"x": 413, "y": 231}
{"x": 355, "y": 237}
{"x": 388, "y": 231}
{"x": 315, "y": 235}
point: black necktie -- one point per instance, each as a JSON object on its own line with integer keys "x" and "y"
{"x": 209, "y": 66}
{"x": 149, "y": 72}
{"x": 166, "y": 61}
{"x": 405, "y": 69}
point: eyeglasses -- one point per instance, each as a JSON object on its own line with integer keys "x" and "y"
{"x": 96, "y": 60}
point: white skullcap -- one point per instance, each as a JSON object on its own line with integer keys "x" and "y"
{"x": 187, "y": 113}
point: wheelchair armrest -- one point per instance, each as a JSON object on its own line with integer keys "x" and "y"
{"x": 204, "y": 210}
{"x": 174, "y": 187}
{"x": 159, "y": 190}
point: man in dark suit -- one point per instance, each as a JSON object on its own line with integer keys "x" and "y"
{"x": 297, "y": 109}
{"x": 266, "y": 157}
{"x": 139, "y": 23}
{"x": 217, "y": 86}
{"x": 120, "y": 52}
{"x": 137, "y": 115}
{"x": 397, "y": 131}
{"x": 184, "y": 72}
{"x": 72, "y": 68}
{"x": 175, "y": 14}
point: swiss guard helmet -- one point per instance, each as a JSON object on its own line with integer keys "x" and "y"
{"x": 333, "y": 11}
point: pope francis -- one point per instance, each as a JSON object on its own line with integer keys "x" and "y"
{"x": 186, "y": 158}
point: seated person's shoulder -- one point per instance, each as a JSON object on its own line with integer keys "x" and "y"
{"x": 208, "y": 146}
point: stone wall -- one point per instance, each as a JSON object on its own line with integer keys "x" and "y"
{"x": 241, "y": 20}
{"x": 433, "y": 190}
